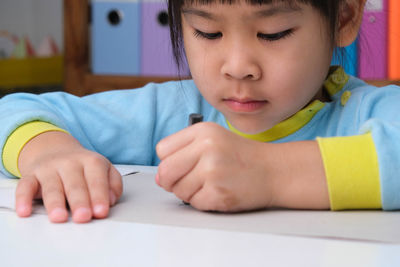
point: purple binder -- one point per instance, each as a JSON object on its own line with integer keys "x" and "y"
{"x": 373, "y": 41}
{"x": 157, "y": 58}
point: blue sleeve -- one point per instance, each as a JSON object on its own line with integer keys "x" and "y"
{"x": 381, "y": 113}
{"x": 123, "y": 125}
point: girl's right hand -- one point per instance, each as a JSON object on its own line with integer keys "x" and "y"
{"x": 56, "y": 168}
{"x": 215, "y": 169}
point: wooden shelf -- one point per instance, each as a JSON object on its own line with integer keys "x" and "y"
{"x": 78, "y": 79}
{"x": 99, "y": 83}
{"x": 381, "y": 83}
{"x": 30, "y": 72}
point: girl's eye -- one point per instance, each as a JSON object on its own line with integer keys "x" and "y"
{"x": 210, "y": 36}
{"x": 275, "y": 36}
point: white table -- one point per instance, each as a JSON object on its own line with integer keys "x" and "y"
{"x": 151, "y": 228}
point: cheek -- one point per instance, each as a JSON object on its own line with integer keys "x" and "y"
{"x": 203, "y": 70}
{"x": 201, "y": 76}
{"x": 316, "y": 70}
{"x": 201, "y": 59}
{"x": 207, "y": 90}
{"x": 307, "y": 66}
{"x": 196, "y": 57}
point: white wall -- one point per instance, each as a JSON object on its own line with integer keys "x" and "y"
{"x": 34, "y": 18}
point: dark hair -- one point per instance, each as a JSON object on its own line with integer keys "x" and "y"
{"x": 328, "y": 8}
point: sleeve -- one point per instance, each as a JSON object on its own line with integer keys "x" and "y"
{"x": 362, "y": 169}
{"x": 17, "y": 140}
{"x": 122, "y": 125}
{"x": 352, "y": 172}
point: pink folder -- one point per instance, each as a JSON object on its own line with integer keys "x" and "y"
{"x": 373, "y": 41}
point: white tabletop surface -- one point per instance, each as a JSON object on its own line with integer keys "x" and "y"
{"x": 159, "y": 231}
{"x": 37, "y": 242}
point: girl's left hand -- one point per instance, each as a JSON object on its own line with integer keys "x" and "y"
{"x": 214, "y": 169}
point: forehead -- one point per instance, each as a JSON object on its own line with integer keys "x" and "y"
{"x": 247, "y": 13}
{"x": 282, "y": 6}
{"x": 253, "y": 10}
{"x": 250, "y": 2}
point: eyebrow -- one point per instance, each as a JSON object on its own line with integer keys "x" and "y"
{"x": 264, "y": 13}
{"x": 199, "y": 13}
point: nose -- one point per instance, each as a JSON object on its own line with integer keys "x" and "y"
{"x": 241, "y": 63}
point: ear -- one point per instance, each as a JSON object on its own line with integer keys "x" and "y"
{"x": 350, "y": 17}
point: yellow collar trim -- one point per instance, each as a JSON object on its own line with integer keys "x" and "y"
{"x": 336, "y": 80}
{"x": 286, "y": 127}
{"x": 334, "y": 83}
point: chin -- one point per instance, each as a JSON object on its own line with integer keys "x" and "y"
{"x": 250, "y": 128}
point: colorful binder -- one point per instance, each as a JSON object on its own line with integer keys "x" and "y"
{"x": 116, "y": 37}
{"x": 157, "y": 57}
{"x": 373, "y": 42}
{"x": 394, "y": 40}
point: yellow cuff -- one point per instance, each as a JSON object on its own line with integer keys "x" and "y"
{"x": 352, "y": 172}
{"x": 16, "y": 141}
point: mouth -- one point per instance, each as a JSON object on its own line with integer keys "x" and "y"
{"x": 244, "y": 105}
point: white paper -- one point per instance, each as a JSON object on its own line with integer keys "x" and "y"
{"x": 8, "y": 185}
{"x": 145, "y": 202}
{"x": 7, "y": 191}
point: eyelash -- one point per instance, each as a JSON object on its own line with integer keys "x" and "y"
{"x": 209, "y": 36}
{"x": 267, "y": 37}
{"x": 275, "y": 36}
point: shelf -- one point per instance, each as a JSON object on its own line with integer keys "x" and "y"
{"x": 100, "y": 83}
{"x": 78, "y": 78}
{"x": 31, "y": 72}
{"x": 381, "y": 83}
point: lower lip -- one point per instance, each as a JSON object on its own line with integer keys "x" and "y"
{"x": 248, "y": 106}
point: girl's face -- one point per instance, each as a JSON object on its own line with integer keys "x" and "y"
{"x": 257, "y": 64}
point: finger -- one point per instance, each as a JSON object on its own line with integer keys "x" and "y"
{"x": 53, "y": 197}
{"x": 176, "y": 141}
{"x": 116, "y": 186}
{"x": 212, "y": 198}
{"x": 77, "y": 194}
{"x": 26, "y": 190}
{"x": 97, "y": 182}
{"x": 203, "y": 200}
{"x": 178, "y": 165}
{"x": 188, "y": 186}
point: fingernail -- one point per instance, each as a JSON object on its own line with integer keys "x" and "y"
{"x": 82, "y": 215}
{"x": 58, "y": 215}
{"x": 113, "y": 198}
{"x": 23, "y": 210}
{"x": 157, "y": 179}
{"x": 99, "y": 210}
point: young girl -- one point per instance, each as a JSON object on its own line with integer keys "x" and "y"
{"x": 282, "y": 128}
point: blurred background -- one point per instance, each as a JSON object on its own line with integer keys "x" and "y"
{"x": 31, "y": 45}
